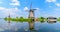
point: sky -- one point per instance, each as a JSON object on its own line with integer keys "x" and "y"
{"x": 18, "y": 8}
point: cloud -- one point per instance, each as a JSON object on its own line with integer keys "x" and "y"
{"x": 5, "y": 11}
{"x": 37, "y": 12}
{"x": 50, "y": 6}
{"x": 14, "y": 12}
{"x": 50, "y": 0}
{"x": 56, "y": 9}
{"x": 57, "y": 4}
{"x": 37, "y": 9}
{"x": 56, "y": 12}
{"x": 15, "y": 3}
{"x": 26, "y": 9}
{"x": 1, "y": 2}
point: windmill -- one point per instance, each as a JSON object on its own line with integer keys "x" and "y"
{"x": 31, "y": 13}
{"x": 9, "y": 18}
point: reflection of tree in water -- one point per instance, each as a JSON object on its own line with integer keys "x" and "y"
{"x": 42, "y": 21}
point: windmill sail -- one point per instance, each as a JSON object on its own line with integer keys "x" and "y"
{"x": 31, "y": 12}
{"x": 30, "y": 6}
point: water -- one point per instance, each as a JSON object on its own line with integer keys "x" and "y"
{"x": 24, "y": 27}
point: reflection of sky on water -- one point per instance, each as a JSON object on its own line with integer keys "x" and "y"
{"x": 24, "y": 27}
{"x": 14, "y": 26}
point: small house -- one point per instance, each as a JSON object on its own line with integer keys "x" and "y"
{"x": 51, "y": 19}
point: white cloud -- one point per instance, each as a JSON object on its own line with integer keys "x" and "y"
{"x": 5, "y": 11}
{"x": 37, "y": 8}
{"x": 56, "y": 9}
{"x": 1, "y": 8}
{"x": 50, "y": 0}
{"x": 15, "y": 3}
{"x": 57, "y": 12}
{"x": 50, "y": 6}
{"x": 57, "y": 4}
{"x": 26, "y": 8}
{"x": 14, "y": 12}
{"x": 1, "y": 2}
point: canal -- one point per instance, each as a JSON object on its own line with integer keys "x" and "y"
{"x": 14, "y": 26}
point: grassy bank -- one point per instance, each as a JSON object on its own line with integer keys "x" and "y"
{"x": 21, "y": 19}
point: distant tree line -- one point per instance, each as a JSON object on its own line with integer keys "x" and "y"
{"x": 21, "y": 19}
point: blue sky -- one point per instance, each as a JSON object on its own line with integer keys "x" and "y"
{"x": 20, "y": 8}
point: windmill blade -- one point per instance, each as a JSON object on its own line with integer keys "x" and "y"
{"x": 27, "y": 10}
{"x": 34, "y": 9}
{"x": 30, "y": 6}
{"x": 9, "y": 15}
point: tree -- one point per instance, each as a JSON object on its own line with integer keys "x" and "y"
{"x": 41, "y": 18}
{"x": 58, "y": 18}
{"x": 16, "y": 19}
{"x": 21, "y": 19}
{"x": 5, "y": 18}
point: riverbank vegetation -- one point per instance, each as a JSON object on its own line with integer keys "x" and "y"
{"x": 58, "y": 19}
{"x": 22, "y": 19}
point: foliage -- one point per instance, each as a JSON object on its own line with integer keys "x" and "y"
{"x": 21, "y": 19}
{"x": 58, "y": 19}
{"x": 41, "y": 18}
